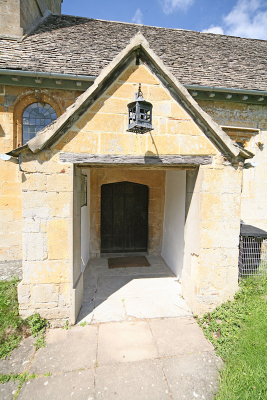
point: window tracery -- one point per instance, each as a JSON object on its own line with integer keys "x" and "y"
{"x": 35, "y": 117}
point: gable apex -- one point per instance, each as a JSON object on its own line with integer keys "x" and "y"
{"x": 137, "y": 50}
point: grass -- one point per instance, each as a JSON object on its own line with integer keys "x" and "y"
{"x": 238, "y": 331}
{"x": 21, "y": 378}
{"x": 12, "y": 327}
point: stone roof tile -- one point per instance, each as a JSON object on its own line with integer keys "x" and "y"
{"x": 76, "y": 45}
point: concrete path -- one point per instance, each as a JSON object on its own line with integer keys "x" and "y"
{"x": 153, "y": 359}
{"x": 121, "y": 294}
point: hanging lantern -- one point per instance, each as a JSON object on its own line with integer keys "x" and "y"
{"x": 140, "y": 114}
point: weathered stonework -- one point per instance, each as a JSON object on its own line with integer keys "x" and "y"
{"x": 51, "y": 209}
{"x": 47, "y": 243}
{"x": 211, "y": 235}
{"x": 102, "y": 129}
{"x": 13, "y": 101}
{"x": 253, "y": 205}
{"x": 17, "y": 16}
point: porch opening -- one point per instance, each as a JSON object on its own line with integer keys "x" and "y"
{"x": 124, "y": 217}
{"x": 132, "y": 212}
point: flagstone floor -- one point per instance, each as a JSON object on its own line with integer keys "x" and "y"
{"x": 122, "y": 294}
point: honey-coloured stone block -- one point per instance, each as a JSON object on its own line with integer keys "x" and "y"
{"x": 34, "y": 246}
{"x": 126, "y": 91}
{"x": 47, "y": 271}
{"x": 58, "y": 239}
{"x": 34, "y": 181}
{"x": 44, "y": 293}
{"x": 10, "y": 188}
{"x": 31, "y": 225}
{"x": 196, "y": 145}
{"x": 101, "y": 122}
{"x": 125, "y": 143}
{"x": 164, "y": 144}
{"x": 161, "y": 109}
{"x": 139, "y": 73}
{"x": 59, "y": 183}
{"x": 24, "y": 293}
{"x": 80, "y": 142}
{"x": 211, "y": 207}
{"x": 178, "y": 112}
{"x": 158, "y": 93}
{"x": 110, "y": 105}
{"x": 9, "y": 202}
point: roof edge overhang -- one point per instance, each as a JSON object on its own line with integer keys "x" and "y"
{"x": 46, "y": 80}
{"x": 231, "y": 95}
{"x": 137, "y": 49}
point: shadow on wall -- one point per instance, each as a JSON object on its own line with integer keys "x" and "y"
{"x": 191, "y": 178}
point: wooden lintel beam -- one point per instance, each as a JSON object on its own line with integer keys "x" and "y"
{"x": 160, "y": 161}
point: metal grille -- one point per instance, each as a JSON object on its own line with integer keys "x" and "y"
{"x": 252, "y": 256}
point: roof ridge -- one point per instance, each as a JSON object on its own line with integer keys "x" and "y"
{"x": 159, "y": 27}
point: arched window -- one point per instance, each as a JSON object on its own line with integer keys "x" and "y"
{"x": 35, "y": 117}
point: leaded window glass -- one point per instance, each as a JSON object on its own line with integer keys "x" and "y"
{"x": 35, "y": 117}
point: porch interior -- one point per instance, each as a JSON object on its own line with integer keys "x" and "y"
{"x": 134, "y": 292}
{"x": 122, "y": 294}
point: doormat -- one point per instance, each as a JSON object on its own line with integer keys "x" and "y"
{"x": 126, "y": 262}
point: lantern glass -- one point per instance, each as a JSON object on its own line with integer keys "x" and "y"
{"x": 140, "y": 114}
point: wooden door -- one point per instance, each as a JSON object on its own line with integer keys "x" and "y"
{"x": 124, "y": 217}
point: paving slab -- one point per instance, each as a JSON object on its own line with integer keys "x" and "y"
{"x": 89, "y": 281}
{"x": 98, "y": 262}
{"x": 109, "y": 310}
{"x": 174, "y": 336}
{"x": 160, "y": 269}
{"x": 8, "y": 389}
{"x": 133, "y": 381}
{"x": 125, "y": 342}
{"x": 133, "y": 286}
{"x": 104, "y": 271}
{"x": 66, "y": 350}
{"x": 89, "y": 292}
{"x": 157, "y": 307}
{"x": 112, "y": 286}
{"x": 154, "y": 282}
{"x": 156, "y": 260}
{"x": 72, "y": 385}
{"x": 192, "y": 376}
{"x": 19, "y": 358}
{"x": 86, "y": 312}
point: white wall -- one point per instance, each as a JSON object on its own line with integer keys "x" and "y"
{"x": 174, "y": 220}
{"x": 85, "y": 225}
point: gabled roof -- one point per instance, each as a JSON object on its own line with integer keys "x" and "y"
{"x": 138, "y": 48}
{"x": 75, "y": 45}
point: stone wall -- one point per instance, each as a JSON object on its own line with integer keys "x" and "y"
{"x": 13, "y": 100}
{"x": 16, "y": 16}
{"x": 254, "y": 203}
{"x": 31, "y": 10}
{"x": 10, "y": 18}
{"x": 47, "y": 210}
{"x": 210, "y": 274}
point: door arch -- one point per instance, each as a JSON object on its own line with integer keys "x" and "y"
{"x": 124, "y": 217}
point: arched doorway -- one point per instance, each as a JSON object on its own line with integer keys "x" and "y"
{"x": 124, "y": 217}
